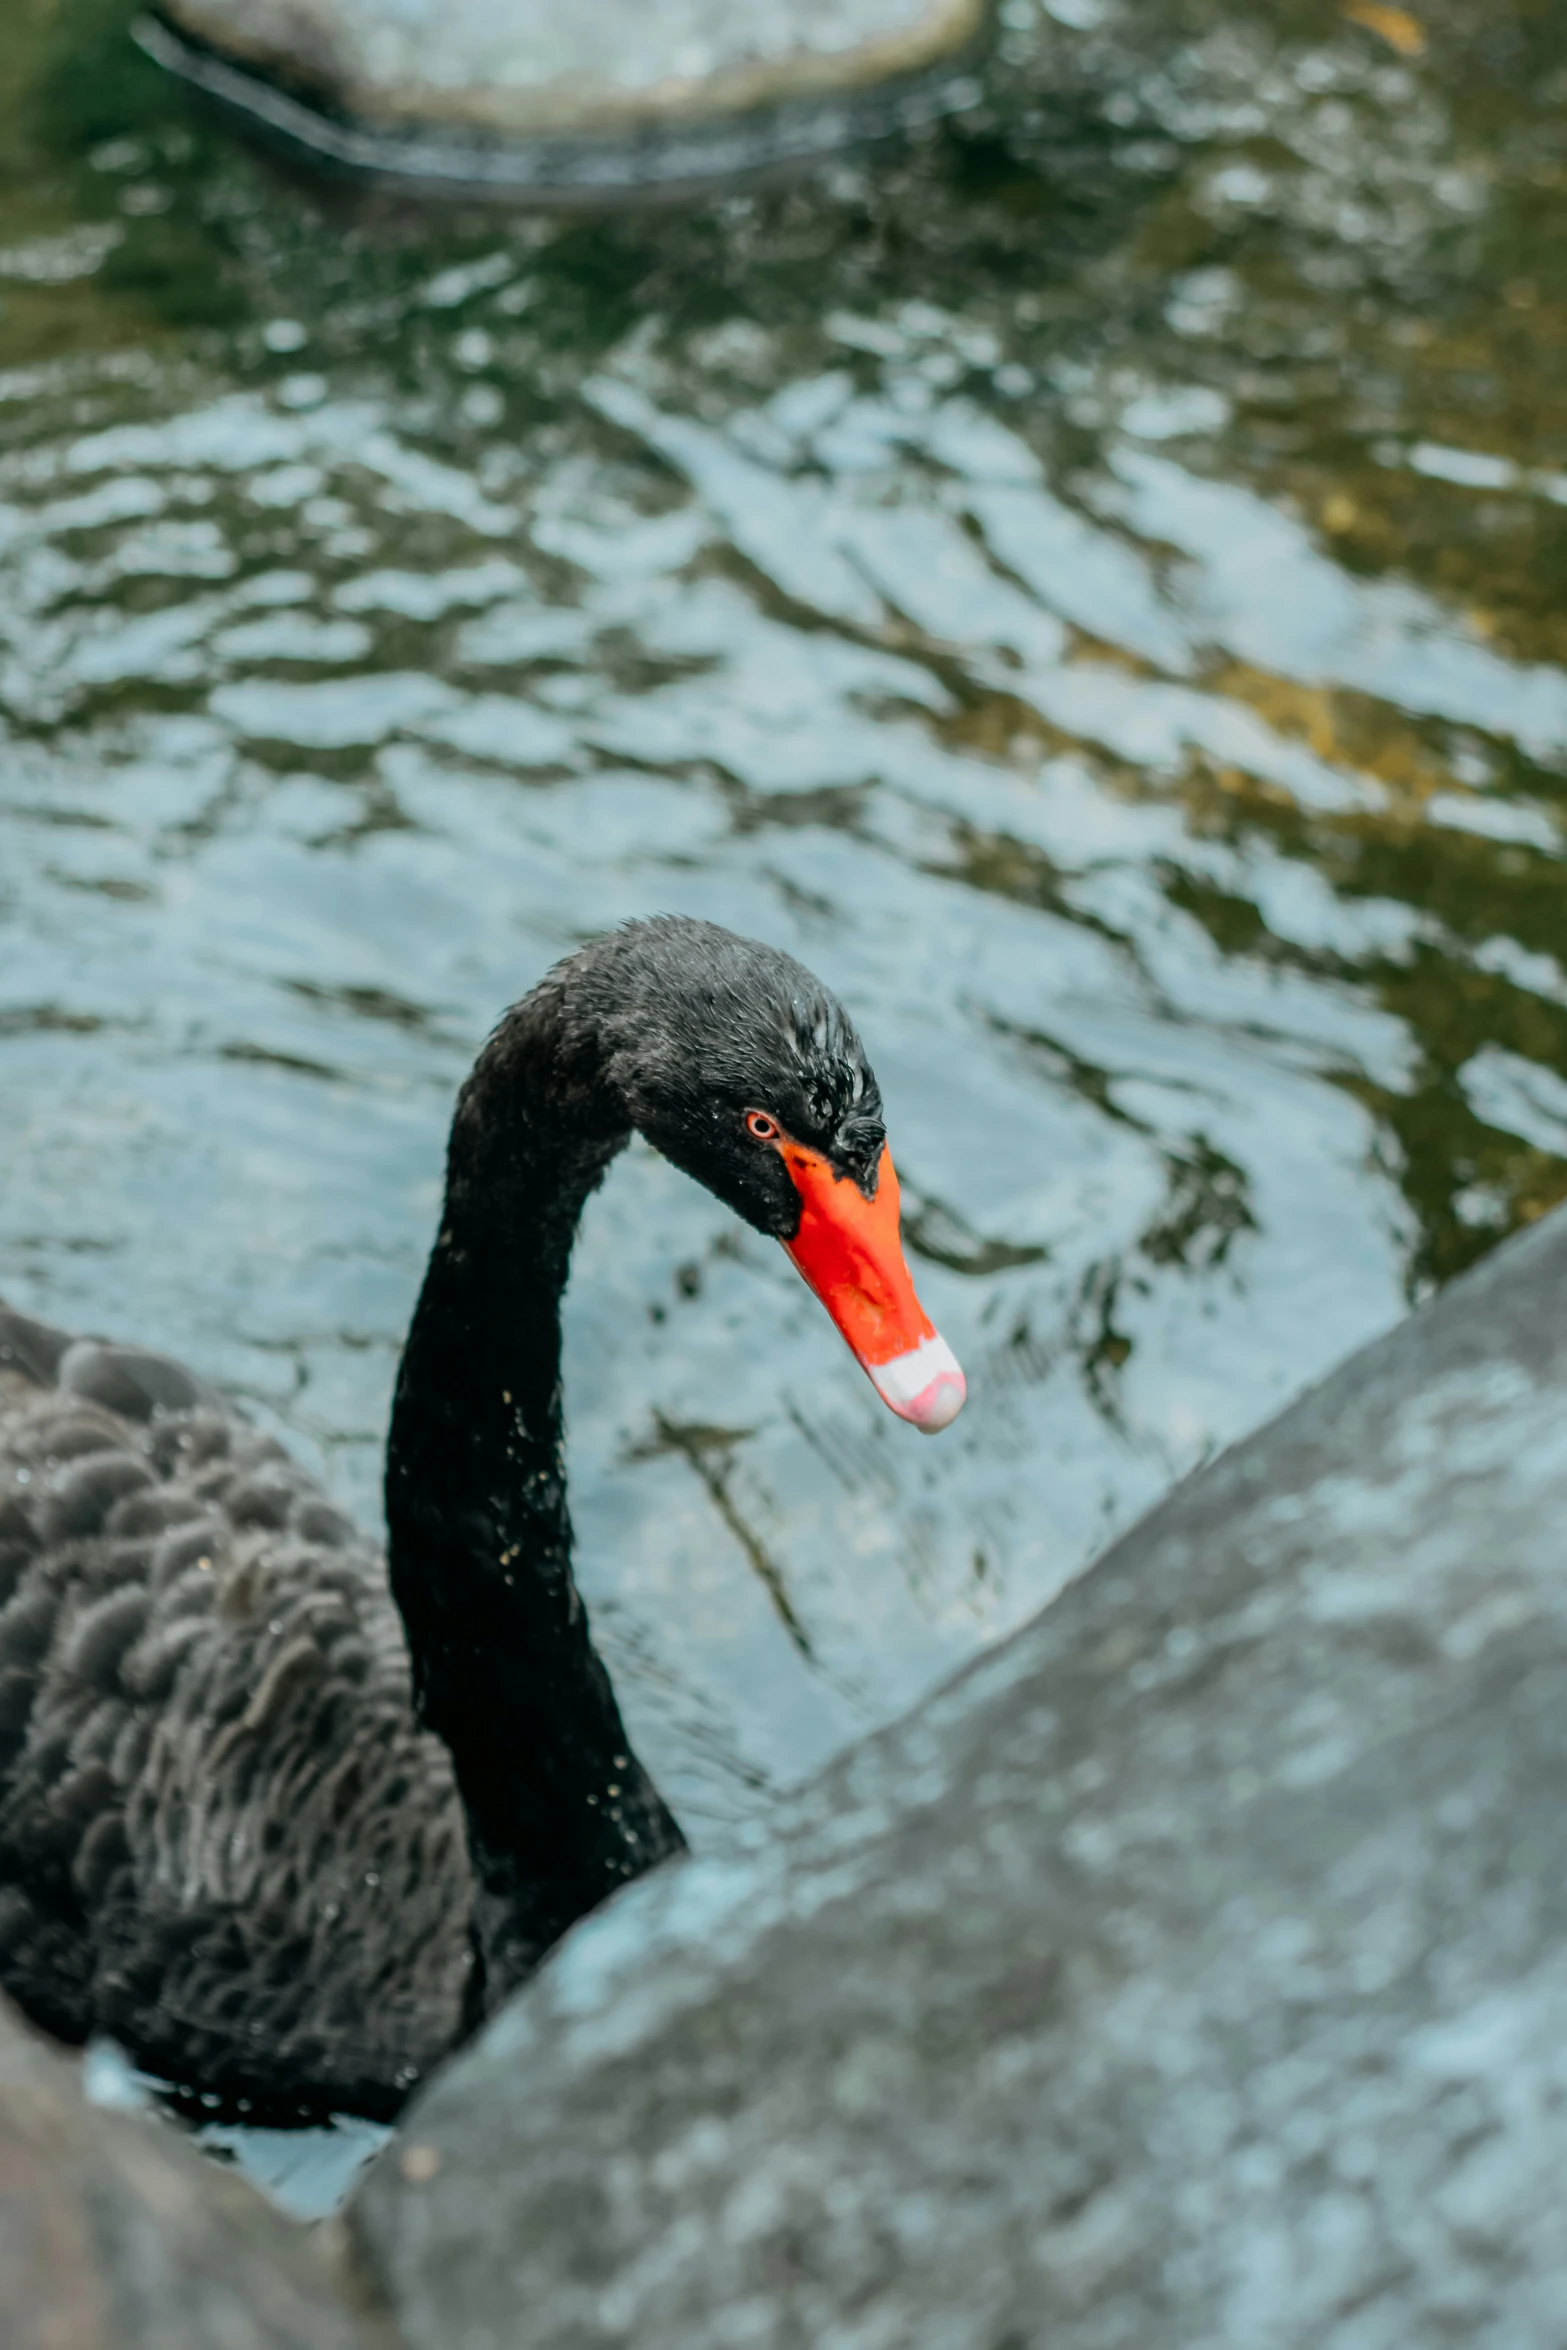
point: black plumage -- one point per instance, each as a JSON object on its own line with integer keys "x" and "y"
{"x": 283, "y": 1846}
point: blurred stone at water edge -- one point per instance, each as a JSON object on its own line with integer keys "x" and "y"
{"x": 115, "y": 2234}
{"x": 604, "y": 93}
{"x": 1188, "y": 1971}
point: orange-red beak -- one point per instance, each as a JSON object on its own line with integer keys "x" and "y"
{"x": 849, "y": 1251}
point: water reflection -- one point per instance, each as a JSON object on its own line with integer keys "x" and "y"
{"x": 1087, "y": 580}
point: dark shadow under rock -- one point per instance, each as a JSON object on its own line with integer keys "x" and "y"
{"x": 602, "y": 98}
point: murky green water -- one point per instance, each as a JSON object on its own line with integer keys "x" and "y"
{"x": 1091, "y": 581}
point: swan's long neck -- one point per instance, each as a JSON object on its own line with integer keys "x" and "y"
{"x": 559, "y": 1810}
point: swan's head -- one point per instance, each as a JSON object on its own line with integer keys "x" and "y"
{"x": 738, "y": 1065}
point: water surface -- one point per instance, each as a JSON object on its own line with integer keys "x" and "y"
{"x": 1088, "y": 579}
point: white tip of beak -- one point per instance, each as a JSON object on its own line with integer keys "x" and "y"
{"x": 924, "y": 1386}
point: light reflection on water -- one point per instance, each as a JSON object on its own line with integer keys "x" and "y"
{"x": 306, "y": 2173}
{"x": 1088, "y": 582}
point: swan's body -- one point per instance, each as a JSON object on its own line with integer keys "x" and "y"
{"x": 226, "y": 1840}
{"x": 236, "y": 1831}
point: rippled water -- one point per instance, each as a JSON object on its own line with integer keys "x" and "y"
{"x": 1089, "y": 580}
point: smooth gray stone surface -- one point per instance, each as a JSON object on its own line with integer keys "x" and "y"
{"x": 601, "y": 91}
{"x": 115, "y": 2234}
{"x": 1191, "y": 1971}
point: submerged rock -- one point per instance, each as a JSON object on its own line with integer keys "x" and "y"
{"x": 1190, "y": 1970}
{"x": 602, "y": 94}
{"x": 116, "y": 2235}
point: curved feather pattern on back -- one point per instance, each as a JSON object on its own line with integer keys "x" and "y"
{"x": 224, "y": 1839}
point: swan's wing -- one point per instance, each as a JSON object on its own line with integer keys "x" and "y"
{"x": 223, "y": 1837}
{"x": 127, "y": 1380}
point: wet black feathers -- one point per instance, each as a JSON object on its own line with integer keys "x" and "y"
{"x": 204, "y": 1722}
{"x": 698, "y": 1026}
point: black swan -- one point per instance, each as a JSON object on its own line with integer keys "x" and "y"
{"x": 237, "y": 1833}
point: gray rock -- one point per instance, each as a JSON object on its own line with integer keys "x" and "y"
{"x": 116, "y": 2235}
{"x": 1192, "y": 1970}
{"x": 600, "y": 94}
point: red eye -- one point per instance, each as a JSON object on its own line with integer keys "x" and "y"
{"x": 759, "y": 1125}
